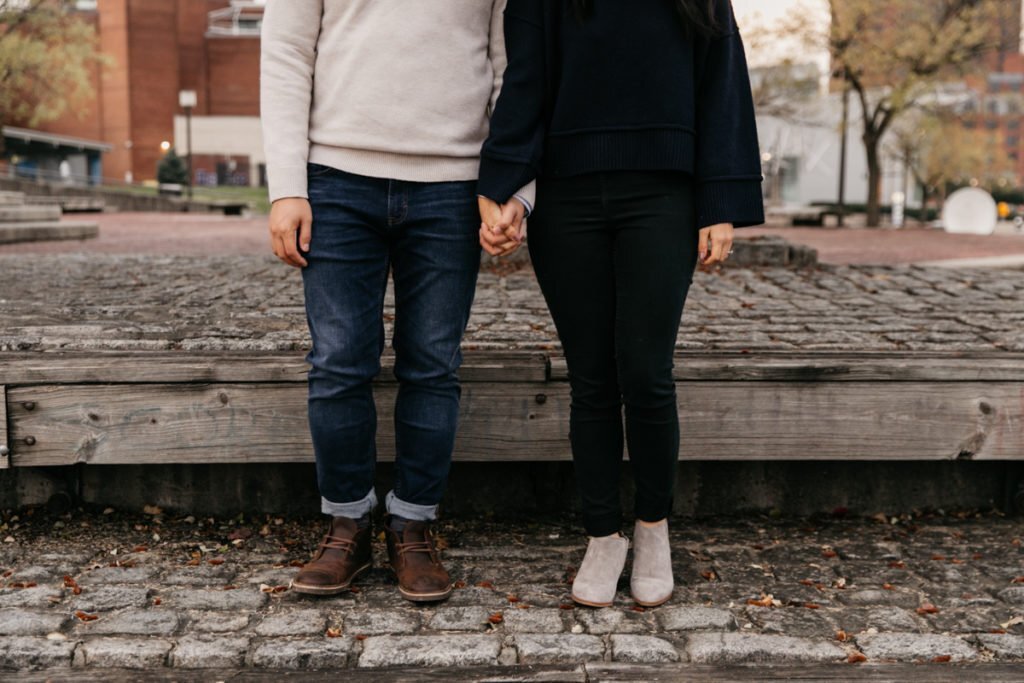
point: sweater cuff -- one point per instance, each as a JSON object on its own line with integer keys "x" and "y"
{"x": 739, "y": 202}
{"x": 287, "y": 182}
{"x": 500, "y": 180}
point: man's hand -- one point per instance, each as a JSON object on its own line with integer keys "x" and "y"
{"x": 289, "y": 216}
{"x": 715, "y": 244}
{"x": 501, "y": 228}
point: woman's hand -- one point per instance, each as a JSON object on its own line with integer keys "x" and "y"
{"x": 715, "y": 244}
{"x": 501, "y": 227}
{"x": 289, "y": 216}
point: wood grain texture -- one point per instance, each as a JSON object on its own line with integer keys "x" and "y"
{"x": 167, "y": 423}
{"x": 167, "y": 367}
{"x": 235, "y": 423}
{"x": 513, "y": 366}
{"x": 839, "y": 367}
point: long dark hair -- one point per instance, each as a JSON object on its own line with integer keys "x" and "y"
{"x": 698, "y": 16}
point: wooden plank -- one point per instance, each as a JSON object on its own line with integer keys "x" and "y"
{"x": 234, "y": 423}
{"x": 170, "y": 366}
{"x": 512, "y": 366}
{"x": 839, "y": 367}
{"x": 5, "y": 460}
{"x": 106, "y": 424}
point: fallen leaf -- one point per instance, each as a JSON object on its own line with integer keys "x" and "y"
{"x": 83, "y": 616}
{"x": 1012, "y": 622}
{"x": 829, "y": 554}
{"x": 460, "y": 584}
{"x": 927, "y": 608}
{"x": 496, "y": 618}
{"x": 217, "y": 561}
{"x": 942, "y": 659}
{"x": 842, "y": 636}
{"x": 710, "y": 575}
{"x": 938, "y": 558}
{"x": 897, "y": 565}
{"x": 637, "y": 608}
{"x": 334, "y": 633}
{"x": 812, "y": 605}
{"x": 152, "y": 510}
{"x": 484, "y": 584}
{"x": 194, "y": 562}
{"x": 157, "y": 601}
{"x": 856, "y": 658}
{"x": 764, "y": 601}
{"x": 806, "y": 582}
{"x": 1017, "y": 579}
{"x": 360, "y": 636}
{"x": 998, "y": 631}
{"x": 888, "y": 586}
{"x": 139, "y": 549}
{"x": 566, "y": 605}
{"x": 513, "y": 598}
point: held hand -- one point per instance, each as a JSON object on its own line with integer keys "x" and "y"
{"x": 715, "y": 244}
{"x": 501, "y": 229}
{"x": 291, "y": 228}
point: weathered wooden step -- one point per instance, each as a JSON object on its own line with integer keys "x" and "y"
{"x": 235, "y": 408}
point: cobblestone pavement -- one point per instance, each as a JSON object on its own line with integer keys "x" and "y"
{"x": 109, "y": 589}
{"x": 90, "y": 302}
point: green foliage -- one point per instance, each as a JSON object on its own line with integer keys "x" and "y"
{"x": 47, "y": 57}
{"x": 171, "y": 169}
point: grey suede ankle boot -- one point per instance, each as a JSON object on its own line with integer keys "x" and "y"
{"x": 599, "y": 574}
{"x": 651, "y": 581}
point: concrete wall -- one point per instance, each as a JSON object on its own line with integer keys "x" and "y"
{"x": 222, "y": 137}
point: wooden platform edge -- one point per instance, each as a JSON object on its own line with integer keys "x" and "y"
{"x": 20, "y": 369}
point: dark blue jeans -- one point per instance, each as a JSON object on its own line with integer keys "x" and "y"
{"x": 426, "y": 234}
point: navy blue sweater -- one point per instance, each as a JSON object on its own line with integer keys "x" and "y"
{"x": 626, "y": 89}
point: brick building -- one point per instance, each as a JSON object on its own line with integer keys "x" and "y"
{"x": 158, "y": 48}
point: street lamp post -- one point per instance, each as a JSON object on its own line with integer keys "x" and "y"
{"x": 187, "y": 99}
{"x": 841, "y": 209}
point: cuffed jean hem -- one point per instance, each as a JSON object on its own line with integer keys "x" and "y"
{"x": 419, "y": 513}
{"x": 354, "y": 510}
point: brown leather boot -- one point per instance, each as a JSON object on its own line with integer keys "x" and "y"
{"x": 344, "y": 553}
{"x": 416, "y": 563}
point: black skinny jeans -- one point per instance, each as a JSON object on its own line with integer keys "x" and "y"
{"x": 614, "y": 254}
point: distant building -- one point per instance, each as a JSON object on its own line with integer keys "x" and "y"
{"x": 158, "y": 48}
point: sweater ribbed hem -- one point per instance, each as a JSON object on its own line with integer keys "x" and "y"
{"x": 739, "y": 202}
{"x": 620, "y": 150}
{"x": 417, "y": 168}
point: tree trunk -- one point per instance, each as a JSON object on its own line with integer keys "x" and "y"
{"x": 871, "y": 143}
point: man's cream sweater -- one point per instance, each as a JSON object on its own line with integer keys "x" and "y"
{"x": 399, "y": 89}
